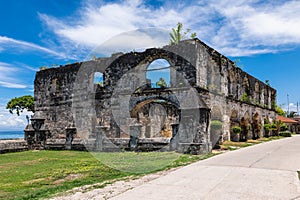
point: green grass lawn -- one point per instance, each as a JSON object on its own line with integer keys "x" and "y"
{"x": 40, "y": 174}
{"x": 229, "y": 145}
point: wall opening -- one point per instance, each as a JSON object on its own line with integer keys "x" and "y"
{"x": 158, "y": 74}
{"x": 98, "y": 79}
{"x": 156, "y": 117}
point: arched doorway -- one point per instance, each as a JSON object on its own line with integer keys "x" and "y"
{"x": 156, "y": 117}
{"x": 245, "y": 126}
{"x": 256, "y": 126}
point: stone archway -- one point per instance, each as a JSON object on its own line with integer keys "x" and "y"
{"x": 157, "y": 111}
{"x": 256, "y": 126}
{"x": 156, "y": 118}
{"x": 245, "y": 126}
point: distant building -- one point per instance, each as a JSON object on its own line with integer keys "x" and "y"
{"x": 293, "y": 124}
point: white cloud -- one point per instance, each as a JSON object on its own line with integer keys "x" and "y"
{"x": 34, "y": 69}
{"x": 256, "y": 27}
{"x": 11, "y": 85}
{"x": 10, "y": 43}
{"x": 235, "y": 28}
{"x": 7, "y": 74}
{"x": 10, "y": 121}
{"x": 137, "y": 40}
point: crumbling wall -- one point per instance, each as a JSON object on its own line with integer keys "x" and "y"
{"x": 67, "y": 96}
{"x": 53, "y": 89}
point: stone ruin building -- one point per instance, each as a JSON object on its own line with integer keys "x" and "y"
{"x": 125, "y": 111}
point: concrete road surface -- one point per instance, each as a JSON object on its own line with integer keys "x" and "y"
{"x": 264, "y": 171}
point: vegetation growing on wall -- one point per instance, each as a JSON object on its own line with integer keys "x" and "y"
{"x": 279, "y": 110}
{"x": 245, "y": 98}
{"x": 176, "y": 34}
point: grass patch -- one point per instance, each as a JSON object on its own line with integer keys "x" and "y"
{"x": 229, "y": 145}
{"x": 40, "y": 174}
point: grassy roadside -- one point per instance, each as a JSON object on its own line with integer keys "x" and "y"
{"x": 41, "y": 174}
{"x": 229, "y": 145}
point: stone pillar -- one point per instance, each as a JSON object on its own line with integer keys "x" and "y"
{"x": 39, "y": 132}
{"x": 262, "y": 97}
{"x": 193, "y": 135}
{"x": 174, "y": 140}
{"x": 70, "y": 133}
{"x": 29, "y": 136}
{"x": 135, "y": 132}
{"x": 100, "y": 133}
{"x": 269, "y": 99}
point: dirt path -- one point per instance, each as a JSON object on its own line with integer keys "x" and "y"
{"x": 110, "y": 190}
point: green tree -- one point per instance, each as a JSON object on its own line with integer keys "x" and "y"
{"x": 21, "y": 103}
{"x": 161, "y": 83}
{"x": 292, "y": 114}
{"x": 279, "y": 111}
{"x": 176, "y": 34}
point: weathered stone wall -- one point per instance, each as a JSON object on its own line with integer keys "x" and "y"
{"x": 53, "y": 91}
{"x": 12, "y": 146}
{"x": 67, "y": 96}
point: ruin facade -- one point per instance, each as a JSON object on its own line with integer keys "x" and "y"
{"x": 125, "y": 110}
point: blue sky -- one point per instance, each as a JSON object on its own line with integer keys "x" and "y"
{"x": 264, "y": 35}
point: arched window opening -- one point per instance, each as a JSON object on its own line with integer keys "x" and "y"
{"x": 158, "y": 74}
{"x": 98, "y": 79}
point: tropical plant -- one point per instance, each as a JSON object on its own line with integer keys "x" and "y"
{"x": 161, "y": 83}
{"x": 21, "y": 103}
{"x": 292, "y": 114}
{"x": 267, "y": 128}
{"x": 236, "y": 129}
{"x": 245, "y": 98}
{"x": 283, "y": 127}
{"x": 176, "y": 35}
{"x": 279, "y": 110}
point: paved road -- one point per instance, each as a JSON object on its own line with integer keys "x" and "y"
{"x": 264, "y": 171}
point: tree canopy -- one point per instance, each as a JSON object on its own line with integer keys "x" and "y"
{"x": 19, "y": 104}
{"x": 279, "y": 111}
{"x": 161, "y": 83}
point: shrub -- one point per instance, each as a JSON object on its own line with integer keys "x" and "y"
{"x": 285, "y": 133}
{"x": 273, "y": 126}
{"x": 267, "y": 127}
{"x": 236, "y": 129}
{"x": 283, "y": 127}
{"x": 245, "y": 98}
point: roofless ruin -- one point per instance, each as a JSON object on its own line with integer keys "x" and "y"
{"x": 125, "y": 109}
